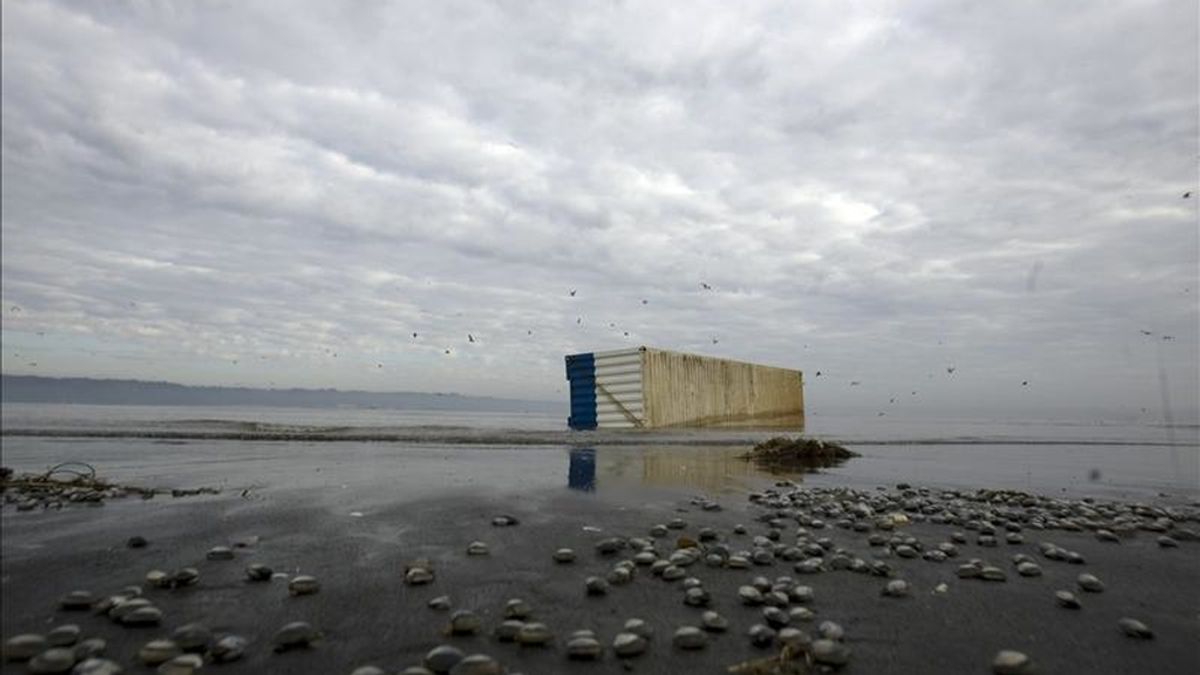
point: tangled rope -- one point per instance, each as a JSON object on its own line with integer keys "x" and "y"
{"x": 89, "y": 474}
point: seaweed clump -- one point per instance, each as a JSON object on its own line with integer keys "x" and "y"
{"x": 782, "y": 452}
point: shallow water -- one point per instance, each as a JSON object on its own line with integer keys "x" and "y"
{"x": 420, "y": 470}
{"x": 1079, "y": 456}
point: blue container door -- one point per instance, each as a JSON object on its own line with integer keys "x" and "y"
{"x": 581, "y": 374}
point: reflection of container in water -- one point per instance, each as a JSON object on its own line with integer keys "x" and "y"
{"x": 581, "y": 474}
{"x": 656, "y": 388}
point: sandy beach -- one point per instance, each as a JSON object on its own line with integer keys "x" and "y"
{"x": 355, "y": 517}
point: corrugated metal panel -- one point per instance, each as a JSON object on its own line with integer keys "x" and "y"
{"x": 581, "y": 374}
{"x": 687, "y": 390}
{"x": 619, "y": 389}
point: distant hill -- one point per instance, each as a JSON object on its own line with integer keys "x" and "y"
{"x": 33, "y": 389}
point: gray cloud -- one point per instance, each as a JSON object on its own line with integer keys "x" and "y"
{"x": 866, "y": 188}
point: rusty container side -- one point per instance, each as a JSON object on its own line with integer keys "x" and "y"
{"x": 688, "y": 390}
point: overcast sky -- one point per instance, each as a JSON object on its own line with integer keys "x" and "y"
{"x": 250, "y": 193}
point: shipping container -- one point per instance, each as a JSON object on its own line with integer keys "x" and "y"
{"x": 646, "y": 388}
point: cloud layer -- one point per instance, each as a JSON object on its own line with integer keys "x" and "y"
{"x": 259, "y": 195}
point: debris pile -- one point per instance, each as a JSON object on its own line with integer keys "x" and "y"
{"x": 73, "y": 483}
{"x": 787, "y": 453}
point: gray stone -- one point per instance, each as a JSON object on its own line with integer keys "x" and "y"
{"x": 477, "y": 664}
{"x": 697, "y": 597}
{"x": 776, "y": 617}
{"x": 186, "y": 576}
{"x": 90, "y": 648}
{"x": 800, "y": 614}
{"x": 760, "y": 635}
{"x": 95, "y": 666}
{"x": 1066, "y": 599}
{"x": 534, "y": 634}
{"x": 53, "y": 660}
{"x": 158, "y": 651}
{"x": 673, "y": 573}
{"x": 992, "y": 573}
{"x": 228, "y": 648}
{"x": 508, "y": 629}
{"x": 596, "y": 586}
{"x": 77, "y": 600}
{"x": 184, "y": 664}
{"x": 831, "y": 631}
{"x": 713, "y": 622}
{"x": 750, "y": 595}
{"x": 829, "y": 653}
{"x": 793, "y": 637}
{"x": 639, "y": 627}
{"x": 143, "y": 616}
{"x": 294, "y": 635}
{"x": 442, "y": 658}
{"x": 584, "y": 648}
{"x": 258, "y": 572}
{"x": 1090, "y": 583}
{"x": 517, "y": 608}
{"x": 689, "y": 638}
{"x": 464, "y": 622}
{"x": 1029, "y": 569}
{"x": 418, "y": 576}
{"x": 628, "y": 644}
{"x": 219, "y": 553}
{"x": 1009, "y": 662}
{"x": 192, "y": 637}
{"x": 63, "y": 636}
{"x": 1135, "y": 629}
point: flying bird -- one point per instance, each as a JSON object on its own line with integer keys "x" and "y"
{"x": 378, "y": 365}
{"x": 1168, "y": 337}
{"x": 529, "y": 332}
{"x": 705, "y": 286}
{"x": 572, "y": 292}
{"x": 414, "y": 335}
{"x": 579, "y": 319}
{"x": 1145, "y": 332}
{"x": 470, "y": 338}
{"x": 715, "y": 341}
{"x": 626, "y": 333}
{"x": 447, "y": 351}
{"x": 645, "y": 301}
{"x": 818, "y": 373}
{"x": 1187, "y": 194}
{"x": 951, "y": 369}
{"x": 1024, "y": 383}
{"x": 854, "y": 383}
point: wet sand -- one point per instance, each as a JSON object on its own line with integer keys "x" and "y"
{"x": 304, "y": 513}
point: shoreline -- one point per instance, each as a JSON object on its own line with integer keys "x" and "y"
{"x": 611, "y": 437}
